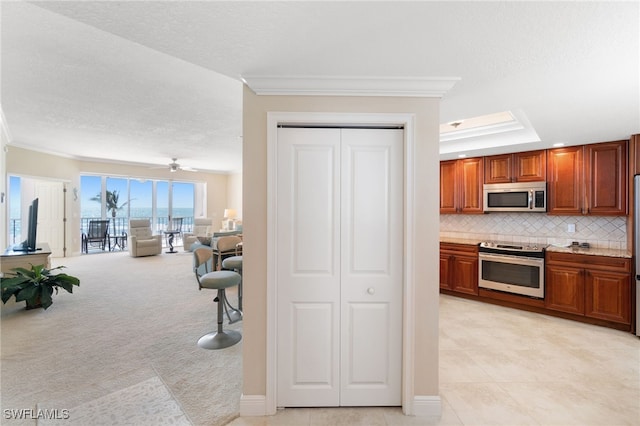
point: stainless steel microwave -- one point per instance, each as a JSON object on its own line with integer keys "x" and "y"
{"x": 515, "y": 197}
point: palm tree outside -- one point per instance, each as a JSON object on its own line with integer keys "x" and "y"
{"x": 111, "y": 201}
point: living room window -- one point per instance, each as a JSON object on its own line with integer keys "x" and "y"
{"x": 121, "y": 199}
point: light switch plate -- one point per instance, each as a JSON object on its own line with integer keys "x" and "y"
{"x": 571, "y": 227}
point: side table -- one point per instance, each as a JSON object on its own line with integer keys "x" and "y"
{"x": 170, "y": 236}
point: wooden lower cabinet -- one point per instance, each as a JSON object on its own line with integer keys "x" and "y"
{"x": 587, "y": 288}
{"x": 593, "y": 286}
{"x": 459, "y": 268}
{"x": 607, "y": 296}
{"x": 564, "y": 289}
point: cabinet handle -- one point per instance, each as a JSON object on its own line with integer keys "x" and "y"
{"x": 371, "y": 291}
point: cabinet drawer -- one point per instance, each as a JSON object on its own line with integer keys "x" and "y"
{"x": 462, "y": 249}
{"x": 619, "y": 264}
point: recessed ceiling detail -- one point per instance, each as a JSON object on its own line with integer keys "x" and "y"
{"x": 433, "y": 87}
{"x": 492, "y": 131}
{"x": 484, "y": 124}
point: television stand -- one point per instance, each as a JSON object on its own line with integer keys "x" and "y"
{"x": 24, "y": 259}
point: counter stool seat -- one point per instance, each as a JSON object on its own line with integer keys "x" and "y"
{"x": 216, "y": 280}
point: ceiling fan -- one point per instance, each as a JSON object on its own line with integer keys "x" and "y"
{"x": 173, "y": 167}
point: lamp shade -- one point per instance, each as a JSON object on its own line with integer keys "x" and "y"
{"x": 229, "y": 213}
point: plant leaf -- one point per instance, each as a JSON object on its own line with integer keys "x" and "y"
{"x": 28, "y": 293}
{"x": 45, "y": 297}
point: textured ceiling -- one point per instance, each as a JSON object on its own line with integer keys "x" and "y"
{"x": 147, "y": 81}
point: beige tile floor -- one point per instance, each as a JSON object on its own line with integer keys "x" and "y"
{"x": 500, "y": 366}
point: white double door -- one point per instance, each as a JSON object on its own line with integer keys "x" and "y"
{"x": 339, "y": 267}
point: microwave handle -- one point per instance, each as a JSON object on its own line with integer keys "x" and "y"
{"x": 531, "y": 199}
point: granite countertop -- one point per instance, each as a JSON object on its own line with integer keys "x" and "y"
{"x": 453, "y": 240}
{"x": 593, "y": 251}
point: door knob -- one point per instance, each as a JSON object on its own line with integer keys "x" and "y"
{"x": 371, "y": 290}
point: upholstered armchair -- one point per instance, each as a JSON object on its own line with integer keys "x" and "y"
{"x": 142, "y": 242}
{"x": 202, "y": 227}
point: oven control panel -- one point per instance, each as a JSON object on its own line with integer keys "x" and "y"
{"x": 518, "y": 247}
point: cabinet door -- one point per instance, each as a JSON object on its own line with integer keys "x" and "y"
{"x": 445, "y": 271}
{"x": 606, "y": 176}
{"x": 471, "y": 179}
{"x": 465, "y": 274}
{"x": 634, "y": 154}
{"x": 448, "y": 187}
{"x": 530, "y": 166}
{"x": 498, "y": 168}
{"x": 564, "y": 289}
{"x": 608, "y": 296}
{"x": 565, "y": 182}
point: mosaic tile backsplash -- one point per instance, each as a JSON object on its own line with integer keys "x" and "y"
{"x": 539, "y": 228}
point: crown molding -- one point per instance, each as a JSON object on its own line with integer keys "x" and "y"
{"x": 429, "y": 87}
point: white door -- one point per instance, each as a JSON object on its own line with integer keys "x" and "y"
{"x": 339, "y": 268}
{"x": 51, "y": 221}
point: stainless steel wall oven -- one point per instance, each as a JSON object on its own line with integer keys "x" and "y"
{"x": 512, "y": 267}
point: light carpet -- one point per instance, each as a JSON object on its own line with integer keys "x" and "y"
{"x": 122, "y": 349}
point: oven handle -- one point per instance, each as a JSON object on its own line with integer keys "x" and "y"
{"x": 521, "y": 260}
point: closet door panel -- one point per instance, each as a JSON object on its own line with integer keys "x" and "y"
{"x": 371, "y": 264}
{"x": 308, "y": 273}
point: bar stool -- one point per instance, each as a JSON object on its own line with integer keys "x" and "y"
{"x": 234, "y": 263}
{"x": 216, "y": 280}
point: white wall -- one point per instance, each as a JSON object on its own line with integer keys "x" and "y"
{"x": 4, "y": 214}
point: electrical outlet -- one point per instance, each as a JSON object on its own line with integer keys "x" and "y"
{"x": 571, "y": 228}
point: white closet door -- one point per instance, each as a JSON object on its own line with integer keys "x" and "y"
{"x": 308, "y": 267}
{"x": 371, "y": 267}
{"x": 339, "y": 267}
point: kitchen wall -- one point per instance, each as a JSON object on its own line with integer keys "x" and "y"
{"x": 600, "y": 231}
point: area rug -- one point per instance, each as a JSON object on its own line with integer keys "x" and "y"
{"x": 145, "y": 403}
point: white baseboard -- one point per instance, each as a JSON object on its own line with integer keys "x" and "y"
{"x": 427, "y": 406}
{"x": 253, "y": 405}
{"x": 423, "y": 406}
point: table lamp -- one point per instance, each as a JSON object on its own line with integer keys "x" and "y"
{"x": 228, "y": 224}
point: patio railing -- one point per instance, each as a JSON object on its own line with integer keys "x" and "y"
{"x": 118, "y": 226}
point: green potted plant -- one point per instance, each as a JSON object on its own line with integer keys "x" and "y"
{"x": 35, "y": 285}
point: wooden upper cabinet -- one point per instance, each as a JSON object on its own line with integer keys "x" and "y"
{"x": 448, "y": 186}
{"x": 588, "y": 179}
{"x": 530, "y": 166}
{"x": 471, "y": 172}
{"x": 497, "y": 168}
{"x": 461, "y": 185}
{"x": 565, "y": 180}
{"x": 606, "y": 176}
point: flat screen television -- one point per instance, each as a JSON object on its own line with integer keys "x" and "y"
{"x": 30, "y": 243}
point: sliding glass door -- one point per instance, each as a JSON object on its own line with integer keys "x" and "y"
{"x": 121, "y": 199}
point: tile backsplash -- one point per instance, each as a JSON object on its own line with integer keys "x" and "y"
{"x": 598, "y": 231}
